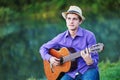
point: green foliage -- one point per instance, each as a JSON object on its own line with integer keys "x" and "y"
{"x": 5, "y": 14}
{"x": 109, "y": 71}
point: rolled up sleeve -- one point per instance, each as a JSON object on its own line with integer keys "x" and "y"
{"x": 44, "y": 50}
{"x": 95, "y": 56}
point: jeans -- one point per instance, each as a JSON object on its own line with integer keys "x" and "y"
{"x": 90, "y": 74}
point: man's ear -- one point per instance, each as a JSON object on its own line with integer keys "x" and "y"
{"x": 80, "y": 22}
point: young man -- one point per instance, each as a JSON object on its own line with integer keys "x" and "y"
{"x": 79, "y": 39}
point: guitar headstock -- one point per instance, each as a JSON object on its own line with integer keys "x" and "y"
{"x": 97, "y": 47}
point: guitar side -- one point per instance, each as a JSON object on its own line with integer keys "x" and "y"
{"x": 54, "y": 72}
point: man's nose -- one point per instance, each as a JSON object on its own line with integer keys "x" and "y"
{"x": 71, "y": 21}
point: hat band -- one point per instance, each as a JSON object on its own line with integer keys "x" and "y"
{"x": 72, "y": 11}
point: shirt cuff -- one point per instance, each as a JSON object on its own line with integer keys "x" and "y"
{"x": 47, "y": 57}
{"x": 95, "y": 62}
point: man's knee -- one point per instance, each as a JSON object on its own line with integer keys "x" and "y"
{"x": 91, "y": 74}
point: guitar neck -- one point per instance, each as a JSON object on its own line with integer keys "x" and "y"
{"x": 73, "y": 56}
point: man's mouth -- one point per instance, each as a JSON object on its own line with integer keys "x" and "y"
{"x": 71, "y": 25}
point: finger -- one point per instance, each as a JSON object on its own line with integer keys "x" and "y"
{"x": 82, "y": 53}
{"x": 57, "y": 59}
{"x": 56, "y": 63}
{"x": 86, "y": 51}
{"x": 53, "y": 60}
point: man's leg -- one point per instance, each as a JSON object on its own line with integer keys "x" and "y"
{"x": 91, "y": 74}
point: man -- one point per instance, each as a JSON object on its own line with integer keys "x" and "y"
{"x": 79, "y": 39}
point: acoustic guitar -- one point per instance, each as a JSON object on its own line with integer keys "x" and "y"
{"x": 53, "y": 72}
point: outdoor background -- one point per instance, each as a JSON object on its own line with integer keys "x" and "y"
{"x": 26, "y": 24}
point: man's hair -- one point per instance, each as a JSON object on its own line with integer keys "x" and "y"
{"x": 76, "y": 14}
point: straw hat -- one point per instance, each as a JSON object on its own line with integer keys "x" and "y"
{"x": 74, "y": 9}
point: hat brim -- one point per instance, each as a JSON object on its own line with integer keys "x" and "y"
{"x": 65, "y": 13}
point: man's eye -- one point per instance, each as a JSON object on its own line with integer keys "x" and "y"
{"x": 75, "y": 19}
{"x": 68, "y": 18}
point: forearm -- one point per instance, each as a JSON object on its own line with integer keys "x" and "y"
{"x": 44, "y": 53}
{"x": 95, "y": 59}
{"x": 44, "y": 50}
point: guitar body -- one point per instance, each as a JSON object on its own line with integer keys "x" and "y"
{"x": 53, "y": 74}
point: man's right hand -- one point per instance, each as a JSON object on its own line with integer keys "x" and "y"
{"x": 54, "y": 61}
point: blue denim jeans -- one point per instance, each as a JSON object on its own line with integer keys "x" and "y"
{"x": 90, "y": 74}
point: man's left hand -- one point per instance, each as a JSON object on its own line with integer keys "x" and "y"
{"x": 87, "y": 57}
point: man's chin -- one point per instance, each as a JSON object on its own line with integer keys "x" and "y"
{"x": 72, "y": 29}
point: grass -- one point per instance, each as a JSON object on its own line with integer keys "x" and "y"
{"x": 109, "y": 71}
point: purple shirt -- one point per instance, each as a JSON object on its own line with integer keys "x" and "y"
{"x": 83, "y": 39}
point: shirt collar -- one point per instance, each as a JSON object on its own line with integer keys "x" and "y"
{"x": 79, "y": 32}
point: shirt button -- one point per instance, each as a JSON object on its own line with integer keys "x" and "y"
{"x": 76, "y": 73}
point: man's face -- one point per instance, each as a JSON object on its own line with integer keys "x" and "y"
{"x": 72, "y": 21}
